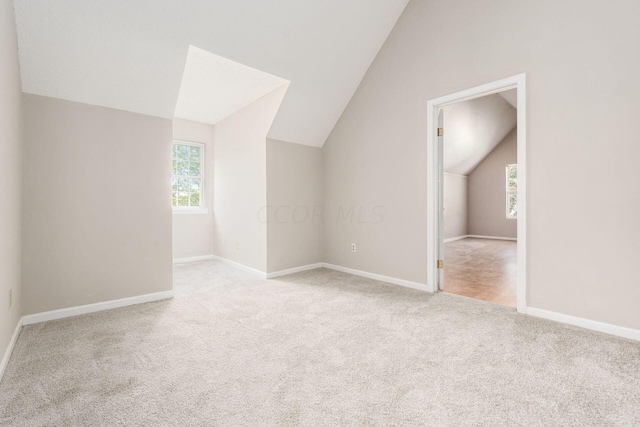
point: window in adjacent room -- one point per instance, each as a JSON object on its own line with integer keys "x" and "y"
{"x": 187, "y": 180}
{"x": 512, "y": 191}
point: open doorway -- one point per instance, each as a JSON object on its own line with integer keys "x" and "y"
{"x": 477, "y": 202}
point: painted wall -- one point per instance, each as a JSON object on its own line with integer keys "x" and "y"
{"x": 455, "y": 205}
{"x": 487, "y": 192}
{"x": 193, "y": 233}
{"x": 10, "y": 176}
{"x": 239, "y": 182}
{"x": 97, "y": 210}
{"x": 294, "y": 200}
{"x": 582, "y": 98}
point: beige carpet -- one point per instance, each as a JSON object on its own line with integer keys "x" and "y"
{"x": 319, "y": 348}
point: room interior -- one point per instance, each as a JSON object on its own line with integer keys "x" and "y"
{"x": 278, "y": 273}
{"x": 479, "y": 232}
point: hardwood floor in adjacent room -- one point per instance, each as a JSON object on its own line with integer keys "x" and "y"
{"x": 481, "y": 268}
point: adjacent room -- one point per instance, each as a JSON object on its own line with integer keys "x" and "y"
{"x": 319, "y": 213}
{"x": 480, "y": 198}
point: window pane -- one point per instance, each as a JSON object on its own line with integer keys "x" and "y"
{"x": 183, "y": 199}
{"x": 183, "y": 153}
{"x": 195, "y": 186}
{"x": 512, "y": 208}
{"x": 174, "y": 152}
{"x": 194, "y": 154}
{"x": 183, "y": 184}
{"x": 194, "y": 168}
{"x": 195, "y": 199}
{"x": 174, "y": 199}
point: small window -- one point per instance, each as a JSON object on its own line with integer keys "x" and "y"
{"x": 512, "y": 191}
{"x": 187, "y": 175}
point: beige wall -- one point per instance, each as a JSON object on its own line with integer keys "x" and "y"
{"x": 487, "y": 192}
{"x": 239, "y": 182}
{"x": 97, "y": 210}
{"x": 193, "y": 233}
{"x": 294, "y": 200}
{"x": 582, "y": 98}
{"x": 455, "y": 205}
{"x": 10, "y": 176}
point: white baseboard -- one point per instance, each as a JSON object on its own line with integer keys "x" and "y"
{"x": 594, "y": 325}
{"x": 91, "y": 308}
{"x": 9, "y": 350}
{"x": 379, "y": 277}
{"x": 453, "y": 239}
{"x": 192, "y": 259}
{"x": 288, "y": 271}
{"x": 475, "y": 236}
{"x": 246, "y": 268}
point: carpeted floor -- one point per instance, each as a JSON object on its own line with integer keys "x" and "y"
{"x": 319, "y": 348}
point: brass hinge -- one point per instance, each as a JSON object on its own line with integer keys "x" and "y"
{"x": 440, "y": 263}
{"x": 440, "y": 132}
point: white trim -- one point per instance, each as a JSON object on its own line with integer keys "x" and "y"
{"x": 187, "y": 210}
{"x": 453, "y": 239}
{"x": 475, "y": 236}
{"x": 288, "y": 271}
{"x": 456, "y": 174}
{"x": 9, "y": 350}
{"x": 260, "y": 274}
{"x": 594, "y": 325}
{"x": 192, "y": 259}
{"x": 92, "y": 308}
{"x": 379, "y": 277}
{"x": 518, "y": 82}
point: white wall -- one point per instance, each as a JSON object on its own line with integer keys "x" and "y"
{"x": 240, "y": 182}
{"x": 193, "y": 233}
{"x": 97, "y": 209}
{"x": 455, "y": 205}
{"x": 294, "y": 200}
{"x": 584, "y": 184}
{"x": 10, "y": 176}
{"x": 487, "y": 192}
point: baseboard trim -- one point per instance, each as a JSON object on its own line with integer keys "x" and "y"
{"x": 453, "y": 239}
{"x": 288, "y": 271}
{"x": 255, "y": 272}
{"x": 379, "y": 277}
{"x": 192, "y": 259}
{"x": 92, "y": 308}
{"x": 475, "y": 236}
{"x": 607, "y": 328}
{"x": 9, "y": 350}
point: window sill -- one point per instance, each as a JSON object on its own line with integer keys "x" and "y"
{"x": 195, "y": 211}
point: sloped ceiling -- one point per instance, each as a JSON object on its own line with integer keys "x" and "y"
{"x": 472, "y": 129}
{"x": 130, "y": 55}
{"x": 214, "y": 87}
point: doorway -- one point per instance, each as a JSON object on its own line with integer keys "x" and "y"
{"x": 471, "y": 261}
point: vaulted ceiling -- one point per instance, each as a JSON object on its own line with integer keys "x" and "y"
{"x": 472, "y": 129}
{"x": 131, "y": 55}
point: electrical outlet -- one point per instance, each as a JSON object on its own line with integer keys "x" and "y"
{"x": 222, "y": 241}
{"x": 353, "y": 247}
{"x": 237, "y": 245}
{"x": 10, "y": 297}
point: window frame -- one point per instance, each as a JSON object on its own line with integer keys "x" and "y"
{"x": 509, "y": 192}
{"x": 202, "y": 209}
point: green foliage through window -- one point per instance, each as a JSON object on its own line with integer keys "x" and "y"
{"x": 512, "y": 191}
{"x": 186, "y": 171}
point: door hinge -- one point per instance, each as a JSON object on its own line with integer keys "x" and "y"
{"x": 440, "y": 132}
{"x": 440, "y": 263}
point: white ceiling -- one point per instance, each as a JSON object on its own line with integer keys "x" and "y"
{"x": 472, "y": 129}
{"x": 130, "y": 55}
{"x": 214, "y": 87}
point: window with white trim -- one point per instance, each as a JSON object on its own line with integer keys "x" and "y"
{"x": 512, "y": 191}
{"x": 187, "y": 175}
